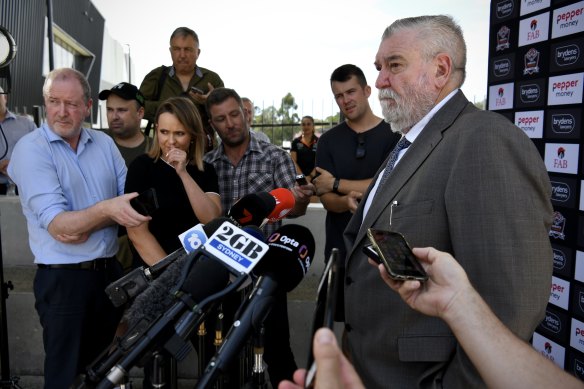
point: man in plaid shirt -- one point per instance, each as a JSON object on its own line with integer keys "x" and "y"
{"x": 244, "y": 165}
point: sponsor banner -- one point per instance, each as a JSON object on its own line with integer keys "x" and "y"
{"x": 564, "y": 191}
{"x": 575, "y": 364}
{"x": 503, "y": 10}
{"x": 530, "y": 93}
{"x": 577, "y": 335}
{"x": 549, "y": 349}
{"x": 566, "y": 89}
{"x": 529, "y": 6}
{"x": 577, "y": 307}
{"x": 564, "y": 226}
{"x": 562, "y": 157}
{"x": 555, "y": 325}
{"x": 567, "y": 55}
{"x": 563, "y": 260}
{"x": 504, "y": 38}
{"x": 563, "y": 123}
{"x": 531, "y": 122}
{"x": 532, "y": 61}
{"x": 534, "y": 29}
{"x": 568, "y": 20}
{"x": 501, "y": 96}
{"x": 579, "y": 268}
{"x": 502, "y": 68}
{"x": 560, "y": 293}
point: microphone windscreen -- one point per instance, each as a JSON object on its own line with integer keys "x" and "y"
{"x": 284, "y": 203}
{"x": 206, "y": 277}
{"x": 290, "y": 253}
{"x": 156, "y": 298}
{"x": 252, "y": 208}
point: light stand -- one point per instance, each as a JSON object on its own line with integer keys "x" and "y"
{"x": 7, "y": 53}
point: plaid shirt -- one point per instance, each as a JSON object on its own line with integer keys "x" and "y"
{"x": 264, "y": 167}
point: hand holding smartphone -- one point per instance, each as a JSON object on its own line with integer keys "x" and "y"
{"x": 301, "y": 180}
{"x": 146, "y": 202}
{"x": 393, "y": 251}
{"x": 196, "y": 90}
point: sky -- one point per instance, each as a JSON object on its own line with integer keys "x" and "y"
{"x": 266, "y": 49}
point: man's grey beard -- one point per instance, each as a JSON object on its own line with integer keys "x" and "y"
{"x": 408, "y": 109}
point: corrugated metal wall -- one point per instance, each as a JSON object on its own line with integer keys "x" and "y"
{"x": 25, "y": 20}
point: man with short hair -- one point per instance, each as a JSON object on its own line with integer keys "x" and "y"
{"x": 13, "y": 128}
{"x": 183, "y": 78}
{"x": 125, "y": 110}
{"x": 249, "y": 111}
{"x": 462, "y": 180}
{"x": 246, "y": 165}
{"x": 71, "y": 182}
{"x": 347, "y": 157}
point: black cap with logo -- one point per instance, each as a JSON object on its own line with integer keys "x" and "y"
{"x": 125, "y": 90}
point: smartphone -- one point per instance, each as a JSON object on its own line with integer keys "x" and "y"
{"x": 197, "y": 90}
{"x": 301, "y": 180}
{"x": 324, "y": 312}
{"x": 146, "y": 202}
{"x": 396, "y": 255}
{"x": 371, "y": 253}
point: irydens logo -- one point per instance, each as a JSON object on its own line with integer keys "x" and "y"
{"x": 559, "y": 259}
{"x": 504, "y": 8}
{"x": 567, "y": 55}
{"x": 529, "y": 93}
{"x": 552, "y": 322}
{"x": 563, "y": 123}
{"x": 560, "y": 191}
{"x": 501, "y": 67}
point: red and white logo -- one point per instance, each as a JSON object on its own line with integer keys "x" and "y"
{"x": 577, "y": 335}
{"x": 568, "y": 20}
{"x": 566, "y": 89}
{"x": 534, "y": 29}
{"x": 501, "y": 96}
{"x": 531, "y": 123}
{"x": 559, "y": 293}
{"x": 561, "y": 157}
{"x": 549, "y": 349}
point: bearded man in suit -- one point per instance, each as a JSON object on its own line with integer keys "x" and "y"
{"x": 472, "y": 184}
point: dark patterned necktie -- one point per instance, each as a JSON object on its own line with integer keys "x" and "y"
{"x": 402, "y": 144}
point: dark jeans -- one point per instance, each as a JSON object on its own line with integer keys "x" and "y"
{"x": 78, "y": 319}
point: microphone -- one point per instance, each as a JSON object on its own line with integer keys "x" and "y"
{"x": 136, "y": 281}
{"x": 290, "y": 253}
{"x": 252, "y": 209}
{"x": 284, "y": 204}
{"x": 233, "y": 250}
{"x": 204, "y": 280}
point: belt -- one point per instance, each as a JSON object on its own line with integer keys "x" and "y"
{"x": 96, "y": 264}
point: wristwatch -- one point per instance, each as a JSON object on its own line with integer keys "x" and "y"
{"x": 336, "y": 185}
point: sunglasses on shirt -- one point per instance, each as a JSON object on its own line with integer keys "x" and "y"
{"x": 360, "y": 152}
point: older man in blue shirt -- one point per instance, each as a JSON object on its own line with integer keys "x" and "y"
{"x": 71, "y": 182}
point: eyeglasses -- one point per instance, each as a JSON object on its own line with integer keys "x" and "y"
{"x": 360, "y": 152}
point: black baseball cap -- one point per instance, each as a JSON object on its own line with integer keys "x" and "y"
{"x": 125, "y": 90}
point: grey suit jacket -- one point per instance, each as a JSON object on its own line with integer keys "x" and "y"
{"x": 471, "y": 184}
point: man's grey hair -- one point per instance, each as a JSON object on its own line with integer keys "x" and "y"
{"x": 437, "y": 34}
{"x": 62, "y": 74}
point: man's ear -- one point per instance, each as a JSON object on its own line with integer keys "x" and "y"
{"x": 443, "y": 65}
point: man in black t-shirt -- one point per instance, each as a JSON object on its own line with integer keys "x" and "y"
{"x": 348, "y": 155}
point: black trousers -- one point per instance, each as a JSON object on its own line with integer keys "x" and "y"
{"x": 77, "y": 317}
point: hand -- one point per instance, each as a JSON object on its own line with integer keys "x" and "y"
{"x": 72, "y": 239}
{"x": 4, "y": 166}
{"x": 199, "y": 98}
{"x": 353, "y": 199}
{"x": 303, "y": 193}
{"x": 177, "y": 158}
{"x": 334, "y": 370}
{"x": 120, "y": 211}
{"x": 324, "y": 182}
{"x": 447, "y": 282}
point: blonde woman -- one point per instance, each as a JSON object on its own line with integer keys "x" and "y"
{"x": 186, "y": 187}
